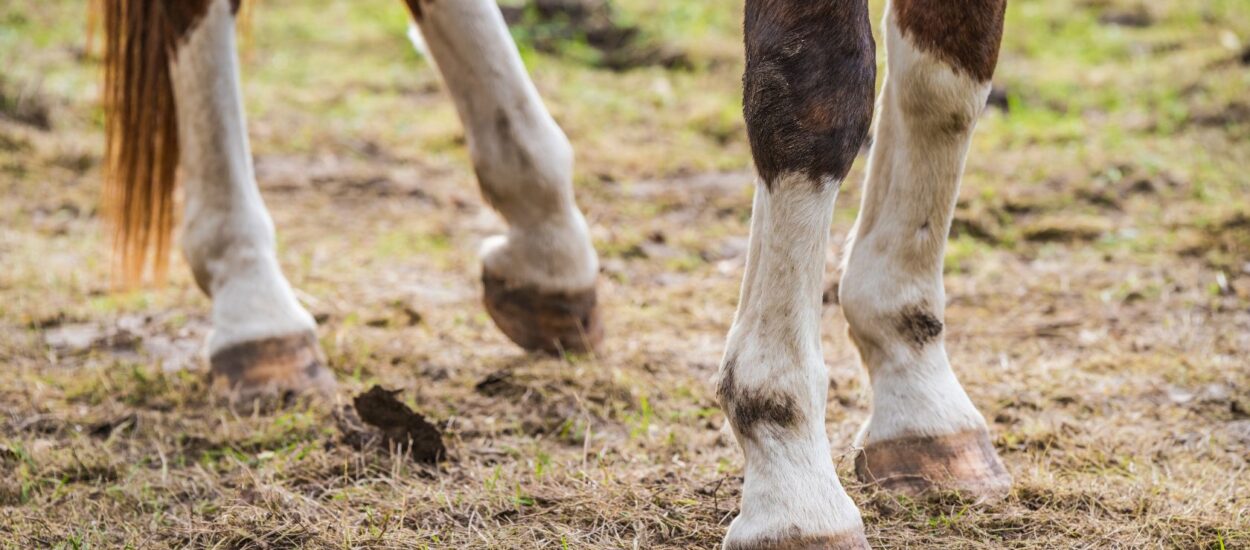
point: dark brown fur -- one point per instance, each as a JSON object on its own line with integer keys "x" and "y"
{"x": 184, "y": 14}
{"x": 808, "y": 85}
{"x": 414, "y": 6}
{"x": 918, "y": 325}
{"x": 965, "y": 34}
{"x": 748, "y": 408}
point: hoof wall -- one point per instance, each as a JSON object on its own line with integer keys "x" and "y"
{"x": 964, "y": 462}
{"x": 278, "y": 366}
{"x": 843, "y": 541}
{"x": 553, "y": 322}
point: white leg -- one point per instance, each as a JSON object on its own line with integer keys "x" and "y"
{"x": 773, "y": 380}
{"x": 924, "y": 431}
{"x": 540, "y": 277}
{"x": 262, "y": 337}
{"x": 808, "y": 103}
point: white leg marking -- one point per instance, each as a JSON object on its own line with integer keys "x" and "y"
{"x": 228, "y": 236}
{"x": 891, "y": 290}
{"x": 774, "y": 381}
{"x": 524, "y": 162}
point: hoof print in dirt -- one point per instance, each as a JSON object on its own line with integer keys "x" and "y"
{"x": 379, "y": 416}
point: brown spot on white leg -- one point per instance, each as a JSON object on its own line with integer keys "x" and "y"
{"x": 550, "y": 321}
{"x": 964, "y": 461}
{"x": 754, "y": 408}
{"x": 273, "y": 366}
{"x": 918, "y": 325}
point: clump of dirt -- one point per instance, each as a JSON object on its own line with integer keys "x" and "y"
{"x": 379, "y": 417}
{"x": 552, "y": 26}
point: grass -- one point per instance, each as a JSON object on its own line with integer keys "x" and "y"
{"x": 1098, "y": 288}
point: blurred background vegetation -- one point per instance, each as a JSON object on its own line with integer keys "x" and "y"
{"x": 651, "y": 88}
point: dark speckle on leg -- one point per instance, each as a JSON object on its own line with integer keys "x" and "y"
{"x": 918, "y": 325}
{"x": 749, "y": 408}
{"x": 957, "y": 124}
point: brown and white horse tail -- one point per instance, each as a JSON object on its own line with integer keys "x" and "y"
{"x": 141, "y": 151}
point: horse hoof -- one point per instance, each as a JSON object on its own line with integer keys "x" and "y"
{"x": 844, "y": 541}
{"x": 553, "y": 322}
{"x": 278, "y": 366}
{"x": 964, "y": 462}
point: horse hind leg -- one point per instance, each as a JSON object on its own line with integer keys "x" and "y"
{"x": 540, "y": 277}
{"x": 262, "y": 339}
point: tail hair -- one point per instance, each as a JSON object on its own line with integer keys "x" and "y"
{"x": 141, "y": 151}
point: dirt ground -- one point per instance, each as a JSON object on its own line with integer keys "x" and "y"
{"x": 1098, "y": 280}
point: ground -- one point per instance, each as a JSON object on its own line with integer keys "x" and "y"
{"x": 1098, "y": 279}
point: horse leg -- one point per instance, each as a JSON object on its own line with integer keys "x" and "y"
{"x": 924, "y": 432}
{"x": 540, "y": 277}
{"x": 807, "y": 94}
{"x": 263, "y": 340}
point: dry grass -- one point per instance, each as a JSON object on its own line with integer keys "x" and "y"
{"x": 1099, "y": 289}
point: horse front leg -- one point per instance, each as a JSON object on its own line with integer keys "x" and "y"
{"x": 807, "y": 96}
{"x": 924, "y": 432}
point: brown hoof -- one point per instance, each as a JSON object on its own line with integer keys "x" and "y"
{"x": 844, "y": 541}
{"x": 553, "y": 322}
{"x": 964, "y": 462}
{"x": 280, "y": 366}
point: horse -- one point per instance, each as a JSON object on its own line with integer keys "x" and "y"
{"x": 173, "y": 107}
